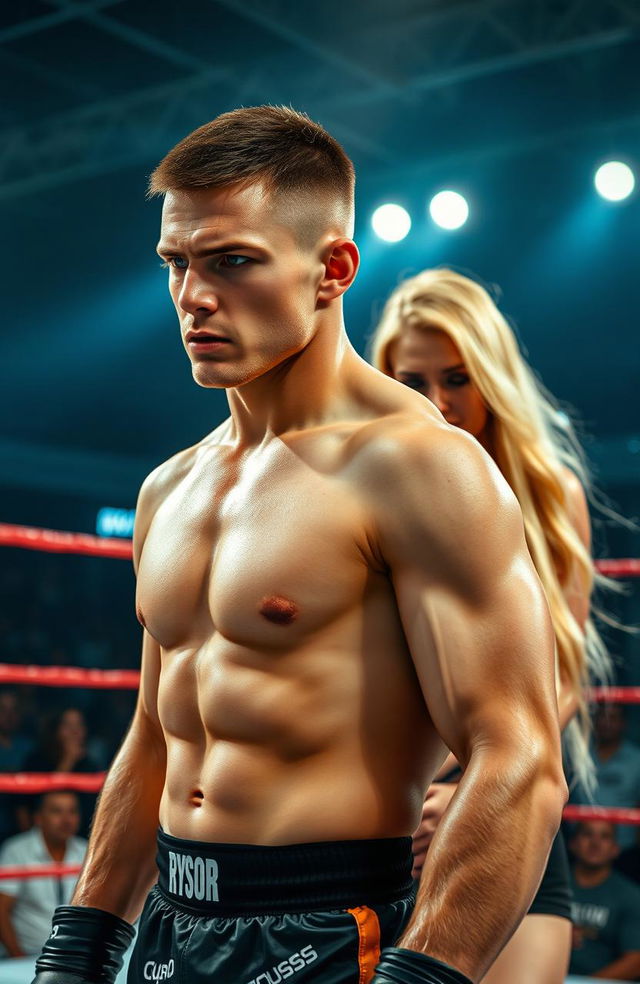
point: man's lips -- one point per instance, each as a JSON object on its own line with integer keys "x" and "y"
{"x": 198, "y": 339}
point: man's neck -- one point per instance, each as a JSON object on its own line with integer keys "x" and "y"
{"x": 56, "y": 848}
{"x": 306, "y": 390}
{"x": 590, "y": 877}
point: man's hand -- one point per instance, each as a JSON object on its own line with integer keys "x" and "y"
{"x": 436, "y": 801}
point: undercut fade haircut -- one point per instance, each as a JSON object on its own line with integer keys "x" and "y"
{"x": 283, "y": 148}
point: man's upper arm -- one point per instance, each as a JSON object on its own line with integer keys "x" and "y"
{"x": 148, "y": 499}
{"x": 9, "y": 888}
{"x": 471, "y": 605}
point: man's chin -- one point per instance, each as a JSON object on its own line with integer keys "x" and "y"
{"x": 213, "y": 378}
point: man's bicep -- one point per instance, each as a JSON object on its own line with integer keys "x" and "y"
{"x": 484, "y": 668}
{"x": 472, "y": 608}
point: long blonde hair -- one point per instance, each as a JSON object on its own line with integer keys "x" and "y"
{"x": 533, "y": 443}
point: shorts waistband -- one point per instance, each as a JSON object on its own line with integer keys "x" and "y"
{"x": 237, "y": 879}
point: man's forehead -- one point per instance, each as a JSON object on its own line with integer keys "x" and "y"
{"x": 235, "y": 211}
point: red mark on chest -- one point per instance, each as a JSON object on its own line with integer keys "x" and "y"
{"x": 277, "y": 609}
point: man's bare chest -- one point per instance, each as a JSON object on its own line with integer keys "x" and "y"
{"x": 264, "y": 557}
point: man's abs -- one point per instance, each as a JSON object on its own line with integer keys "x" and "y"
{"x": 324, "y": 744}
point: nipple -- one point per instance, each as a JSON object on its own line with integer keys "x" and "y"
{"x": 277, "y": 609}
{"x": 140, "y": 617}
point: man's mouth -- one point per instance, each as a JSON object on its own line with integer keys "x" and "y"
{"x": 206, "y": 339}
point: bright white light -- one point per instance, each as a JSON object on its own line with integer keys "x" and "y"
{"x": 449, "y": 210}
{"x": 391, "y": 222}
{"x": 614, "y": 181}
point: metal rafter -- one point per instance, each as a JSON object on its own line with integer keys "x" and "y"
{"x": 518, "y": 26}
{"x": 139, "y": 39}
{"x": 276, "y": 26}
{"x": 138, "y": 127}
{"x": 35, "y": 24}
{"x": 117, "y": 133}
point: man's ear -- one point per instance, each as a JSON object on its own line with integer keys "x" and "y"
{"x": 341, "y": 262}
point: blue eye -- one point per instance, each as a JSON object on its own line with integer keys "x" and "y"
{"x": 234, "y": 260}
{"x": 177, "y": 262}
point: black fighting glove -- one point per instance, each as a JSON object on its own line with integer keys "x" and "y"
{"x": 86, "y": 946}
{"x": 398, "y": 966}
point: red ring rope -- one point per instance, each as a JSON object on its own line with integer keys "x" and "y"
{"x": 615, "y": 814}
{"x": 46, "y": 782}
{"x": 39, "y": 870}
{"x": 627, "y": 567}
{"x": 70, "y": 676}
{"x": 56, "y": 541}
{"x": 615, "y": 695}
{"x": 75, "y": 676}
{"x": 42, "y": 782}
{"x": 570, "y": 813}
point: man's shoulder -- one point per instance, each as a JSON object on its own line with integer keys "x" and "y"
{"x": 169, "y": 473}
{"x": 419, "y": 458}
{"x": 624, "y": 890}
{"x": 162, "y": 480}
{"x": 399, "y": 440}
{"x": 19, "y": 845}
{"x": 77, "y": 847}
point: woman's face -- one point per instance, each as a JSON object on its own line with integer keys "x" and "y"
{"x": 429, "y": 362}
{"x": 72, "y": 727}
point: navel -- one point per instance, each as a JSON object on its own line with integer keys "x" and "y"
{"x": 279, "y": 610}
{"x": 197, "y": 797}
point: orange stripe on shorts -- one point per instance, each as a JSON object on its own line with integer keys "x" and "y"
{"x": 369, "y": 941}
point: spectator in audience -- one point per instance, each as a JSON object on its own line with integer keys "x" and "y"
{"x": 605, "y": 909}
{"x": 62, "y": 748}
{"x": 26, "y": 905}
{"x": 628, "y": 861}
{"x": 617, "y": 763}
{"x": 14, "y": 746}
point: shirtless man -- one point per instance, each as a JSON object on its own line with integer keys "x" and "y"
{"x": 334, "y": 587}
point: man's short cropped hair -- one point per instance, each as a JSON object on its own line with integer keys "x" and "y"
{"x": 277, "y": 145}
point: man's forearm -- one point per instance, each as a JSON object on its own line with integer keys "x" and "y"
{"x": 8, "y": 935}
{"x": 486, "y": 859}
{"x": 120, "y": 864}
{"x": 626, "y": 968}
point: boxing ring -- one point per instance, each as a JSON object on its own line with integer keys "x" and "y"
{"x": 20, "y": 970}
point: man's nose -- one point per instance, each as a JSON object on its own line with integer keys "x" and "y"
{"x": 196, "y": 294}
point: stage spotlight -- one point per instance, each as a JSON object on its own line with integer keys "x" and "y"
{"x": 449, "y": 210}
{"x": 614, "y": 181}
{"x": 391, "y": 222}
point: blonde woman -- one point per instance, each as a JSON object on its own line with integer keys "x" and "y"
{"x": 442, "y": 334}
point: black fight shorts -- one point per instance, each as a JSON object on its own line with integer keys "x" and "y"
{"x": 241, "y": 914}
{"x": 553, "y": 898}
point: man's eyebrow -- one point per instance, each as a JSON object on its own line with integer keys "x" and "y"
{"x": 166, "y": 249}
